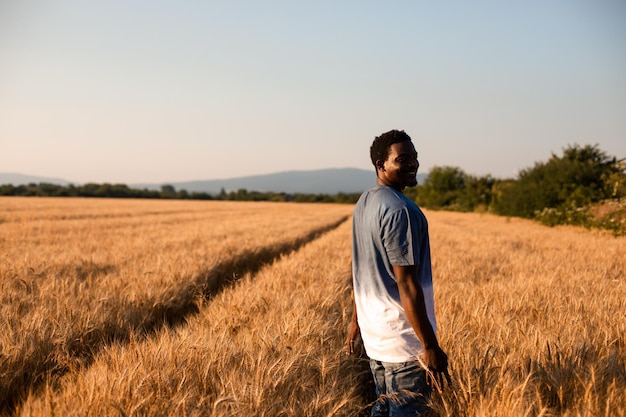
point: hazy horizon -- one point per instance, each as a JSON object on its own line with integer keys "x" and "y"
{"x": 127, "y": 92}
{"x": 3, "y": 174}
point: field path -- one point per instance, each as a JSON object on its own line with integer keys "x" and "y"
{"x": 533, "y": 318}
{"x": 270, "y": 345}
{"x": 65, "y": 296}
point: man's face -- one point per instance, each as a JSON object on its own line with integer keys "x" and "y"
{"x": 400, "y": 168}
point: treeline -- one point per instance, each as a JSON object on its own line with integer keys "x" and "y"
{"x": 107, "y": 190}
{"x": 584, "y": 186}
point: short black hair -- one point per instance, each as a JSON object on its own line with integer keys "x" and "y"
{"x": 380, "y": 147}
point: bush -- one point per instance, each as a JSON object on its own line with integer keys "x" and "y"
{"x": 575, "y": 180}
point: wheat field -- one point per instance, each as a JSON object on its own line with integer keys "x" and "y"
{"x": 189, "y": 308}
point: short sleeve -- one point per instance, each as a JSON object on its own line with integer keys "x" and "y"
{"x": 397, "y": 238}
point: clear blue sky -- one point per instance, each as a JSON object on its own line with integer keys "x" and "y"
{"x": 136, "y": 91}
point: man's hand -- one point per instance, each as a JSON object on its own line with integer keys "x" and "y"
{"x": 353, "y": 331}
{"x": 412, "y": 299}
{"x": 437, "y": 374}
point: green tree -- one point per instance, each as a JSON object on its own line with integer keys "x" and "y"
{"x": 615, "y": 182}
{"x": 573, "y": 180}
{"x": 168, "y": 191}
{"x": 105, "y": 190}
{"x": 477, "y": 193}
{"x": 442, "y": 188}
{"x": 89, "y": 189}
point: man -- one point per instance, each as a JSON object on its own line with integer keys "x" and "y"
{"x": 392, "y": 279}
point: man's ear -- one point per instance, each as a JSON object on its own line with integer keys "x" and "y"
{"x": 380, "y": 165}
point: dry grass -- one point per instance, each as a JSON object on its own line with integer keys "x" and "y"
{"x": 270, "y": 346}
{"x": 77, "y": 275}
{"x": 533, "y": 318}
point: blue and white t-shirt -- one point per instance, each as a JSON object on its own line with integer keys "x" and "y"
{"x": 388, "y": 229}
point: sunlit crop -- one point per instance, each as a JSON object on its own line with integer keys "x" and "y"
{"x": 174, "y": 308}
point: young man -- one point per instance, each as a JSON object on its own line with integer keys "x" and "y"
{"x": 392, "y": 278}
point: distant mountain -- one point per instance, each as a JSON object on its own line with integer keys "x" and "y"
{"x": 21, "y": 179}
{"x": 323, "y": 181}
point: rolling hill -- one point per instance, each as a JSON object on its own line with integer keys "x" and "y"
{"x": 323, "y": 181}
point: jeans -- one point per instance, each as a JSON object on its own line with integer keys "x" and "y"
{"x": 401, "y": 389}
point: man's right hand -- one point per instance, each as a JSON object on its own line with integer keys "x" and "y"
{"x": 436, "y": 361}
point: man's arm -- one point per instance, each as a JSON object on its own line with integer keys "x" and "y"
{"x": 353, "y": 330}
{"x": 412, "y": 299}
